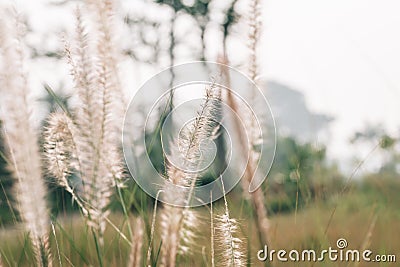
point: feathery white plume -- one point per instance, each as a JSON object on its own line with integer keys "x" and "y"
{"x": 177, "y": 223}
{"x": 230, "y": 246}
{"x": 22, "y": 141}
{"x": 88, "y": 143}
{"x": 135, "y": 256}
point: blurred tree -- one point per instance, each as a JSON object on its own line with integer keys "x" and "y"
{"x": 231, "y": 18}
{"x": 198, "y": 10}
{"x": 291, "y": 179}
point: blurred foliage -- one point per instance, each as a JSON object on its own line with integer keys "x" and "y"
{"x": 299, "y": 175}
{"x": 230, "y": 19}
{"x": 6, "y": 212}
{"x": 388, "y": 144}
{"x": 198, "y": 10}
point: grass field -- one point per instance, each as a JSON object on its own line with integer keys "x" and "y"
{"x": 367, "y": 216}
{"x": 67, "y": 196}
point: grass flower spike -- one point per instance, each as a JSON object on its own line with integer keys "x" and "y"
{"x": 21, "y": 138}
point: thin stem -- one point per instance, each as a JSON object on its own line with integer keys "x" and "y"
{"x": 125, "y": 211}
{"x": 212, "y": 232}
{"x": 98, "y": 250}
{"x": 153, "y": 223}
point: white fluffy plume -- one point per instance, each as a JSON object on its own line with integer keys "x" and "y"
{"x": 22, "y": 140}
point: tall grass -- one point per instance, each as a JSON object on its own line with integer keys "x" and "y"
{"x": 257, "y": 197}
{"x": 87, "y": 143}
{"x": 229, "y": 245}
{"x": 135, "y": 255}
{"x": 82, "y": 152}
{"x": 21, "y": 139}
{"x": 178, "y": 224}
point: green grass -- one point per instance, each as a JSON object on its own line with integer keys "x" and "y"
{"x": 317, "y": 225}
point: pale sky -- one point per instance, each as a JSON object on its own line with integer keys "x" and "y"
{"x": 343, "y": 55}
